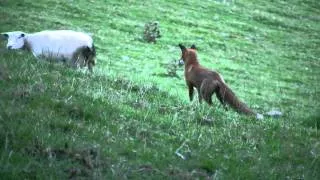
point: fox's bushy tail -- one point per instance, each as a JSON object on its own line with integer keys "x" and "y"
{"x": 224, "y": 94}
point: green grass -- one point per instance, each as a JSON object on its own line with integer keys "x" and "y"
{"x": 128, "y": 118}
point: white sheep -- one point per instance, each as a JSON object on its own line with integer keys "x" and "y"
{"x": 75, "y": 48}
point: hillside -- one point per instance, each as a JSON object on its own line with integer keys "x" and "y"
{"x": 132, "y": 118}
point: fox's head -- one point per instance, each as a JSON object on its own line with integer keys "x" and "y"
{"x": 187, "y": 54}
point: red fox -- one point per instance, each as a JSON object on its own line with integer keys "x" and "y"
{"x": 208, "y": 82}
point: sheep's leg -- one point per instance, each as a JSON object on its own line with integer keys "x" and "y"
{"x": 90, "y": 65}
{"x": 77, "y": 60}
{"x": 82, "y": 61}
{"x": 73, "y": 62}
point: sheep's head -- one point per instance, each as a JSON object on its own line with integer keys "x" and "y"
{"x": 15, "y": 39}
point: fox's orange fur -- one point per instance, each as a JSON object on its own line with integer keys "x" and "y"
{"x": 208, "y": 82}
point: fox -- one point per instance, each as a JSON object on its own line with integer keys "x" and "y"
{"x": 207, "y": 82}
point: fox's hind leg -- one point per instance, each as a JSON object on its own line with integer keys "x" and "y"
{"x": 208, "y": 99}
{"x": 220, "y": 93}
{"x": 220, "y": 98}
{"x": 207, "y": 88}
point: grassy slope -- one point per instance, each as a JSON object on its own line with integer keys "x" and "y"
{"x": 127, "y": 121}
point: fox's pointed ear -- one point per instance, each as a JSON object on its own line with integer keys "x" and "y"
{"x": 193, "y": 46}
{"x": 182, "y": 47}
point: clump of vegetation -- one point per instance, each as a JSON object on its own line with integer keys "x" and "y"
{"x": 172, "y": 68}
{"x": 151, "y": 31}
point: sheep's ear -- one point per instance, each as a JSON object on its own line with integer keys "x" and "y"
{"x": 193, "y": 46}
{"x": 182, "y": 47}
{"x": 22, "y": 35}
{"x": 5, "y": 36}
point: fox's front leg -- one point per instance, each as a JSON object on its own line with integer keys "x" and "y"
{"x": 190, "y": 86}
{"x": 199, "y": 95}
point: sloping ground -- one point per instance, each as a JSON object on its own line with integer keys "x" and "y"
{"x": 125, "y": 121}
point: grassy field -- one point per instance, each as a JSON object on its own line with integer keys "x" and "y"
{"x": 128, "y": 119}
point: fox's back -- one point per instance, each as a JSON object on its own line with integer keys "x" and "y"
{"x": 196, "y": 74}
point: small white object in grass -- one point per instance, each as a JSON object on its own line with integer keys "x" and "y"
{"x": 180, "y": 155}
{"x": 274, "y": 113}
{"x": 181, "y": 62}
{"x": 182, "y": 146}
{"x": 125, "y": 58}
{"x": 259, "y": 116}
